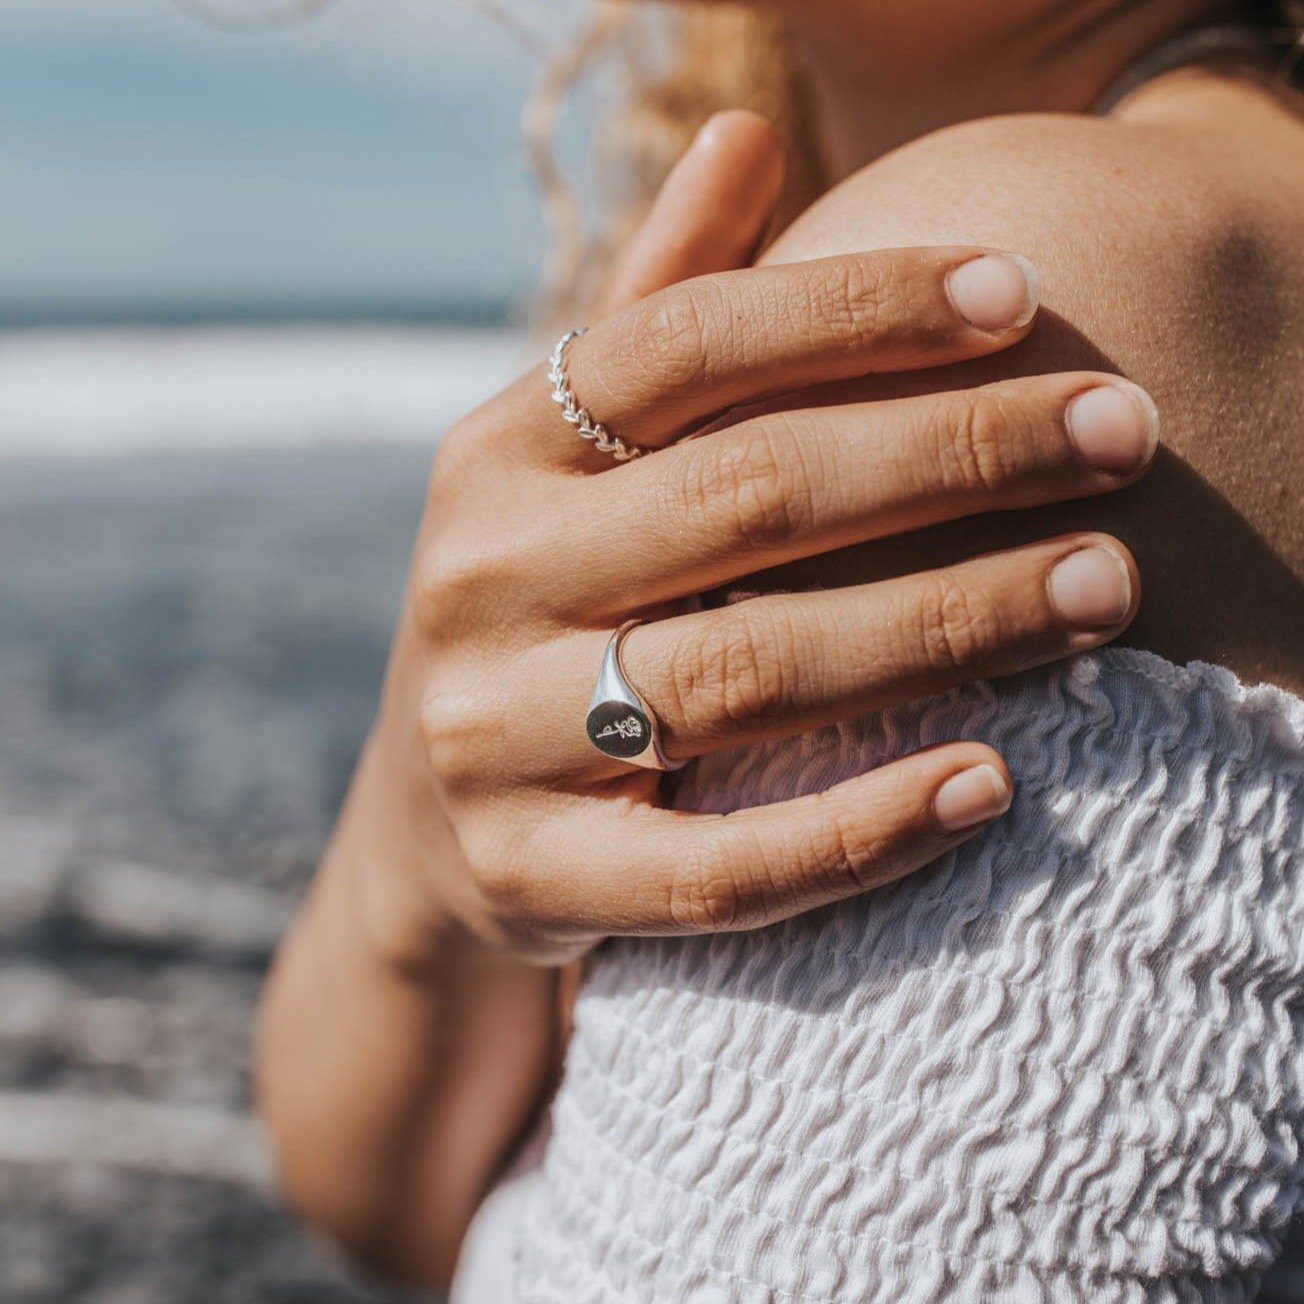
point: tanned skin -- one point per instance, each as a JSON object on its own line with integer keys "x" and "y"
{"x": 403, "y": 1055}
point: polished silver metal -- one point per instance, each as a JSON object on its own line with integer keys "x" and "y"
{"x": 620, "y": 723}
{"x": 571, "y": 411}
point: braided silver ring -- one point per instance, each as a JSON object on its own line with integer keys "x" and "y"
{"x": 620, "y": 723}
{"x": 571, "y": 411}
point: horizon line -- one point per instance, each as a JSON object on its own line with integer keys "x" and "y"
{"x": 328, "y": 310}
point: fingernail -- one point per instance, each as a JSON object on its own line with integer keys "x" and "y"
{"x": 972, "y": 796}
{"x": 1115, "y": 426}
{"x": 1091, "y": 588}
{"x": 997, "y": 292}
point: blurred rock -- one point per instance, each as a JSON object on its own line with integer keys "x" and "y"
{"x": 33, "y": 858}
{"x": 141, "y": 1135}
{"x": 190, "y": 652}
{"x": 155, "y": 1240}
{"x": 181, "y": 911}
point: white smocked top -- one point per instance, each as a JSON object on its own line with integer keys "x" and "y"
{"x": 1063, "y": 1063}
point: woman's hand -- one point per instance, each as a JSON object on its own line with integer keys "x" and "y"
{"x": 404, "y": 1045}
{"x": 535, "y": 546}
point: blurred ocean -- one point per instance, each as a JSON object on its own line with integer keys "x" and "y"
{"x": 204, "y": 533}
{"x": 125, "y": 390}
{"x": 246, "y": 283}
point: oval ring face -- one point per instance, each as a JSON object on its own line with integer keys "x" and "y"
{"x": 619, "y": 729}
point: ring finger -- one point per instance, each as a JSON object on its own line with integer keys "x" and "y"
{"x": 776, "y": 665}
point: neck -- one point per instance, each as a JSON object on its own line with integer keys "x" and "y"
{"x": 871, "y": 94}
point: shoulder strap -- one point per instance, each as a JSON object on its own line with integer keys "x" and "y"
{"x": 1190, "y": 47}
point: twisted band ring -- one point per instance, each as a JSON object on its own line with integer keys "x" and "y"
{"x": 578, "y": 416}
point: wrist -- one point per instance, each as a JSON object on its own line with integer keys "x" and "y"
{"x": 392, "y": 850}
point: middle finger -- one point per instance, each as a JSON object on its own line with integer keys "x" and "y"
{"x": 795, "y": 484}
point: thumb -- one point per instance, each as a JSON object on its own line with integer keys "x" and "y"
{"x": 711, "y": 213}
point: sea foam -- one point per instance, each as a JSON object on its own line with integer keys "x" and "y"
{"x": 103, "y": 391}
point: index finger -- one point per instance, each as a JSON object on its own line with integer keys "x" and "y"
{"x": 683, "y": 356}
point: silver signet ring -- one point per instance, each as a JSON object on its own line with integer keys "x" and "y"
{"x": 620, "y": 723}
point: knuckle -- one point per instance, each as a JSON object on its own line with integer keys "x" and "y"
{"x": 675, "y": 330}
{"x": 504, "y": 861}
{"x": 705, "y": 895}
{"x": 958, "y": 625}
{"x": 503, "y": 883}
{"x": 864, "y": 852}
{"x": 877, "y": 300}
{"x": 513, "y": 882}
{"x": 756, "y": 486}
{"x": 459, "y": 449}
{"x": 977, "y": 439}
{"x": 453, "y": 723}
{"x": 453, "y": 579}
{"x": 851, "y": 297}
{"x": 839, "y": 856}
{"x": 476, "y": 438}
{"x": 737, "y": 672}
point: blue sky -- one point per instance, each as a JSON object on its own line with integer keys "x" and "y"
{"x": 370, "y": 156}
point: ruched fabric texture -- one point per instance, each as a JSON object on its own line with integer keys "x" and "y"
{"x": 1063, "y": 1063}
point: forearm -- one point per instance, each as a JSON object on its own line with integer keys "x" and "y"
{"x": 396, "y": 1065}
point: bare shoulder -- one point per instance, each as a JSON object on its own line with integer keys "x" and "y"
{"x": 1139, "y": 223}
{"x": 1170, "y": 240}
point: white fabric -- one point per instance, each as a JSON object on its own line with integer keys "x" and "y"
{"x": 1063, "y": 1063}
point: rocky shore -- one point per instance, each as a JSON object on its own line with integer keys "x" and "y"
{"x": 189, "y": 652}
